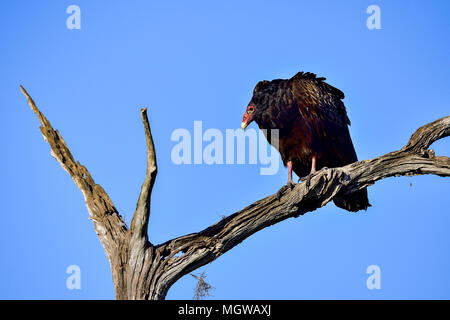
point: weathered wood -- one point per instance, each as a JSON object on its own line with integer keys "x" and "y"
{"x": 142, "y": 270}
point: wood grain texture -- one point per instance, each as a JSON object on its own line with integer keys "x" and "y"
{"x": 141, "y": 270}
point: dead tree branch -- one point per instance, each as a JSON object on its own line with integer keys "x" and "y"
{"x": 109, "y": 226}
{"x": 139, "y": 224}
{"x": 142, "y": 270}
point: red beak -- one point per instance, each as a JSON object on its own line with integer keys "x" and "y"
{"x": 246, "y": 119}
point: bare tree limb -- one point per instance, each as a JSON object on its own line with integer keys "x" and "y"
{"x": 138, "y": 242}
{"x": 144, "y": 271}
{"x": 139, "y": 224}
{"x": 108, "y": 224}
{"x": 422, "y": 139}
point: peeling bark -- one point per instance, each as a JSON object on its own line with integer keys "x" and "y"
{"x": 141, "y": 270}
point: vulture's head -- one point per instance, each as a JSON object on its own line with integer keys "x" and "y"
{"x": 257, "y": 105}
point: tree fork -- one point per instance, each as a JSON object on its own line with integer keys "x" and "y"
{"x": 141, "y": 270}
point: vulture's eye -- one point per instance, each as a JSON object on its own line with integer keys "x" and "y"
{"x": 250, "y": 110}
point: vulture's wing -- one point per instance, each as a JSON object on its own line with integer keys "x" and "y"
{"x": 320, "y": 104}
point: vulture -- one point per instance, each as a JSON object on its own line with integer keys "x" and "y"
{"x": 313, "y": 127}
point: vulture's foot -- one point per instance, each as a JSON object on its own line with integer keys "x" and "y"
{"x": 306, "y": 179}
{"x": 288, "y": 186}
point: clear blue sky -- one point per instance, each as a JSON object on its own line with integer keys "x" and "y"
{"x": 199, "y": 60}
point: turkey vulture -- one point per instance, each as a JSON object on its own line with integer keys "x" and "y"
{"x": 313, "y": 127}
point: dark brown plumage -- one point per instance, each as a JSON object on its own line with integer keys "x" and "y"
{"x": 313, "y": 127}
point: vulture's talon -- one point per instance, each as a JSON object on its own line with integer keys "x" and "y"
{"x": 308, "y": 182}
{"x": 289, "y": 185}
{"x": 280, "y": 192}
{"x": 303, "y": 179}
{"x": 307, "y": 179}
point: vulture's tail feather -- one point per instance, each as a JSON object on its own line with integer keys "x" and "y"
{"x": 353, "y": 202}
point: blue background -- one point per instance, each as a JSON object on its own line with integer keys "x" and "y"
{"x": 199, "y": 60}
